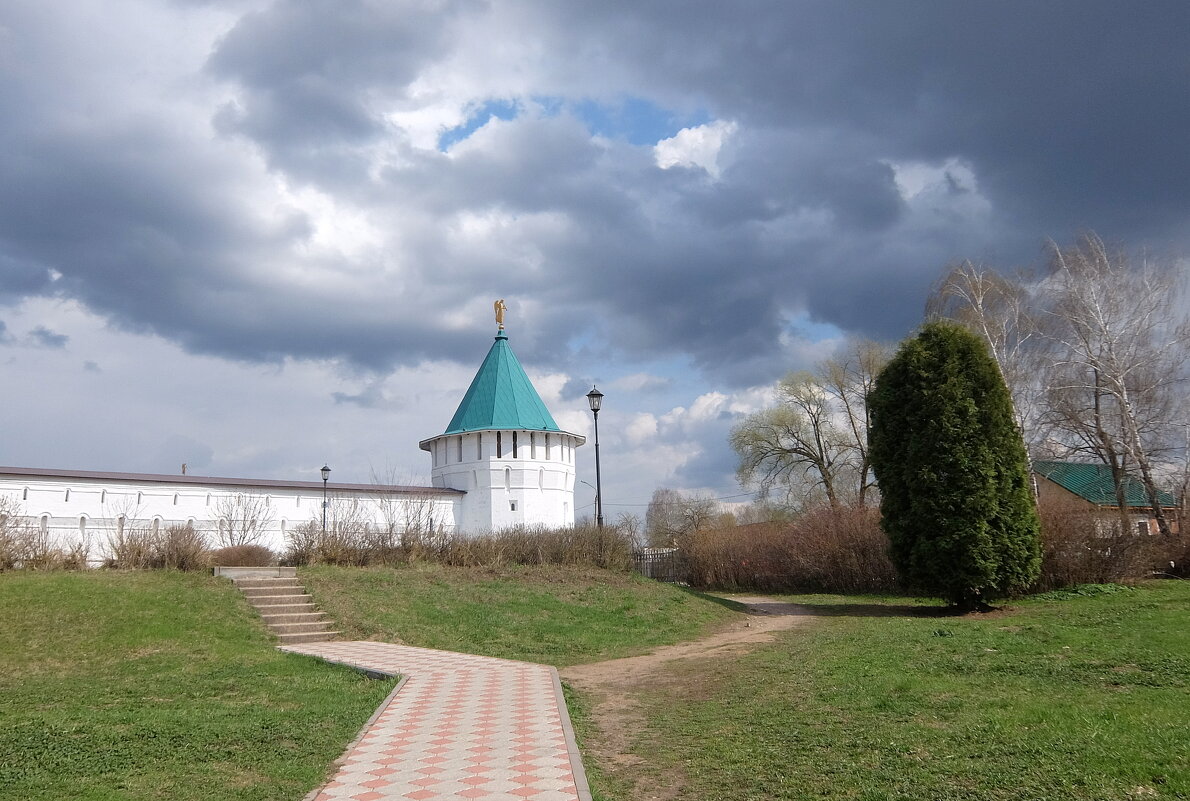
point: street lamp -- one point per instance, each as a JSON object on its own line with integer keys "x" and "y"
{"x": 326, "y": 476}
{"x": 595, "y": 398}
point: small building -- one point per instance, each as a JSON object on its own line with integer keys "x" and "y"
{"x": 1091, "y": 486}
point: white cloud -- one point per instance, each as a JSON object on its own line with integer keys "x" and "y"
{"x": 699, "y": 146}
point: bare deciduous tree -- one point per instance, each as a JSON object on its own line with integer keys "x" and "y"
{"x": 1001, "y": 310}
{"x": 1118, "y": 350}
{"x": 813, "y": 443}
{"x": 672, "y": 515}
{"x": 241, "y": 518}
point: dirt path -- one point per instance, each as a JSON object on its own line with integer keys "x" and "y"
{"x": 612, "y": 686}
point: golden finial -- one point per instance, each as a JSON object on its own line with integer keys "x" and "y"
{"x": 500, "y": 309}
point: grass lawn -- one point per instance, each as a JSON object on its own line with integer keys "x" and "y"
{"x": 160, "y": 685}
{"x": 1061, "y": 698}
{"x": 553, "y": 615}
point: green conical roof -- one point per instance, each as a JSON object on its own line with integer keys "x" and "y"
{"x": 501, "y": 396}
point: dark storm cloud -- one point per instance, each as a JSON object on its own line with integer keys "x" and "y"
{"x": 43, "y": 337}
{"x": 1069, "y": 115}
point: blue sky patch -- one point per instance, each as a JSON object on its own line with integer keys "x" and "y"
{"x": 499, "y": 108}
{"x": 633, "y": 119}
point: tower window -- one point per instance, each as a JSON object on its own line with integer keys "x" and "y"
{"x": 460, "y": 448}
{"x": 514, "y": 444}
{"x": 479, "y": 446}
{"x": 512, "y": 506}
{"x": 547, "y": 446}
{"x": 175, "y": 499}
{"x": 67, "y": 498}
{"x": 507, "y": 479}
{"x": 499, "y": 445}
{"x": 45, "y": 523}
{"x": 532, "y": 445}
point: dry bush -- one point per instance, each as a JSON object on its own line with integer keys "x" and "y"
{"x": 130, "y": 547}
{"x": 824, "y": 550}
{"x": 180, "y": 548}
{"x": 1088, "y": 546}
{"x": 609, "y": 547}
{"x": 14, "y": 530}
{"x": 341, "y": 544}
{"x": 243, "y": 556}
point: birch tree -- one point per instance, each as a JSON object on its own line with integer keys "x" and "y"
{"x": 1118, "y": 344}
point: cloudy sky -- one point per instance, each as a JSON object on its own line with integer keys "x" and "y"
{"x": 256, "y": 236}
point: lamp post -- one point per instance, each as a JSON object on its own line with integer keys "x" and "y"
{"x": 326, "y": 476}
{"x": 592, "y": 486}
{"x": 595, "y": 398}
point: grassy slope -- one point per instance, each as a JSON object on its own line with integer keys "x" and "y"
{"x": 159, "y": 685}
{"x": 553, "y": 615}
{"x": 1079, "y": 698}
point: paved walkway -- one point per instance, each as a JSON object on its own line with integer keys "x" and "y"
{"x": 457, "y": 726}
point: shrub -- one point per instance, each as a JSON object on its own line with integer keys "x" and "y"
{"x": 1088, "y": 546}
{"x": 610, "y": 547}
{"x": 130, "y": 547}
{"x": 243, "y": 556}
{"x": 180, "y": 548}
{"x": 954, "y": 479}
{"x": 825, "y": 550}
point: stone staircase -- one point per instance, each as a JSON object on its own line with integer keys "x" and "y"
{"x": 284, "y": 605}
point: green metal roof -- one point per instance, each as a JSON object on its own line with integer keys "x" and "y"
{"x": 501, "y": 396}
{"x": 1093, "y": 482}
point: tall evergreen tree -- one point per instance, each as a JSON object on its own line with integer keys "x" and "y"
{"x": 954, "y": 478}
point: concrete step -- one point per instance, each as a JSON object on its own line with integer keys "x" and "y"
{"x": 294, "y": 639}
{"x": 300, "y": 628}
{"x": 273, "y": 600}
{"x": 264, "y": 592}
{"x": 254, "y": 572}
{"x": 258, "y": 583}
{"x": 294, "y": 617}
{"x": 289, "y": 609}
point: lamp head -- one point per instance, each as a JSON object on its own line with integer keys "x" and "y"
{"x": 595, "y": 398}
{"x": 326, "y": 473}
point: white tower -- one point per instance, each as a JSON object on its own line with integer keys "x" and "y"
{"x": 504, "y": 449}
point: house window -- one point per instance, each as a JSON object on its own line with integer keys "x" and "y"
{"x": 1142, "y": 527}
{"x": 514, "y": 444}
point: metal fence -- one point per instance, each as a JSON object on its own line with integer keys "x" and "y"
{"x": 662, "y": 564}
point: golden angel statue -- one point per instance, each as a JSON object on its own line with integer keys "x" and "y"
{"x": 500, "y": 309}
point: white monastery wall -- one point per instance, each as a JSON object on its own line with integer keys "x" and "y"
{"x": 74, "y": 507}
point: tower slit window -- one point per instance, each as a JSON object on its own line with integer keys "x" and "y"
{"x": 499, "y": 445}
{"x": 514, "y": 444}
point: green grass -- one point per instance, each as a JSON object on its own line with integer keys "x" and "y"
{"x": 553, "y": 615}
{"x": 1071, "y": 697}
{"x": 161, "y": 685}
